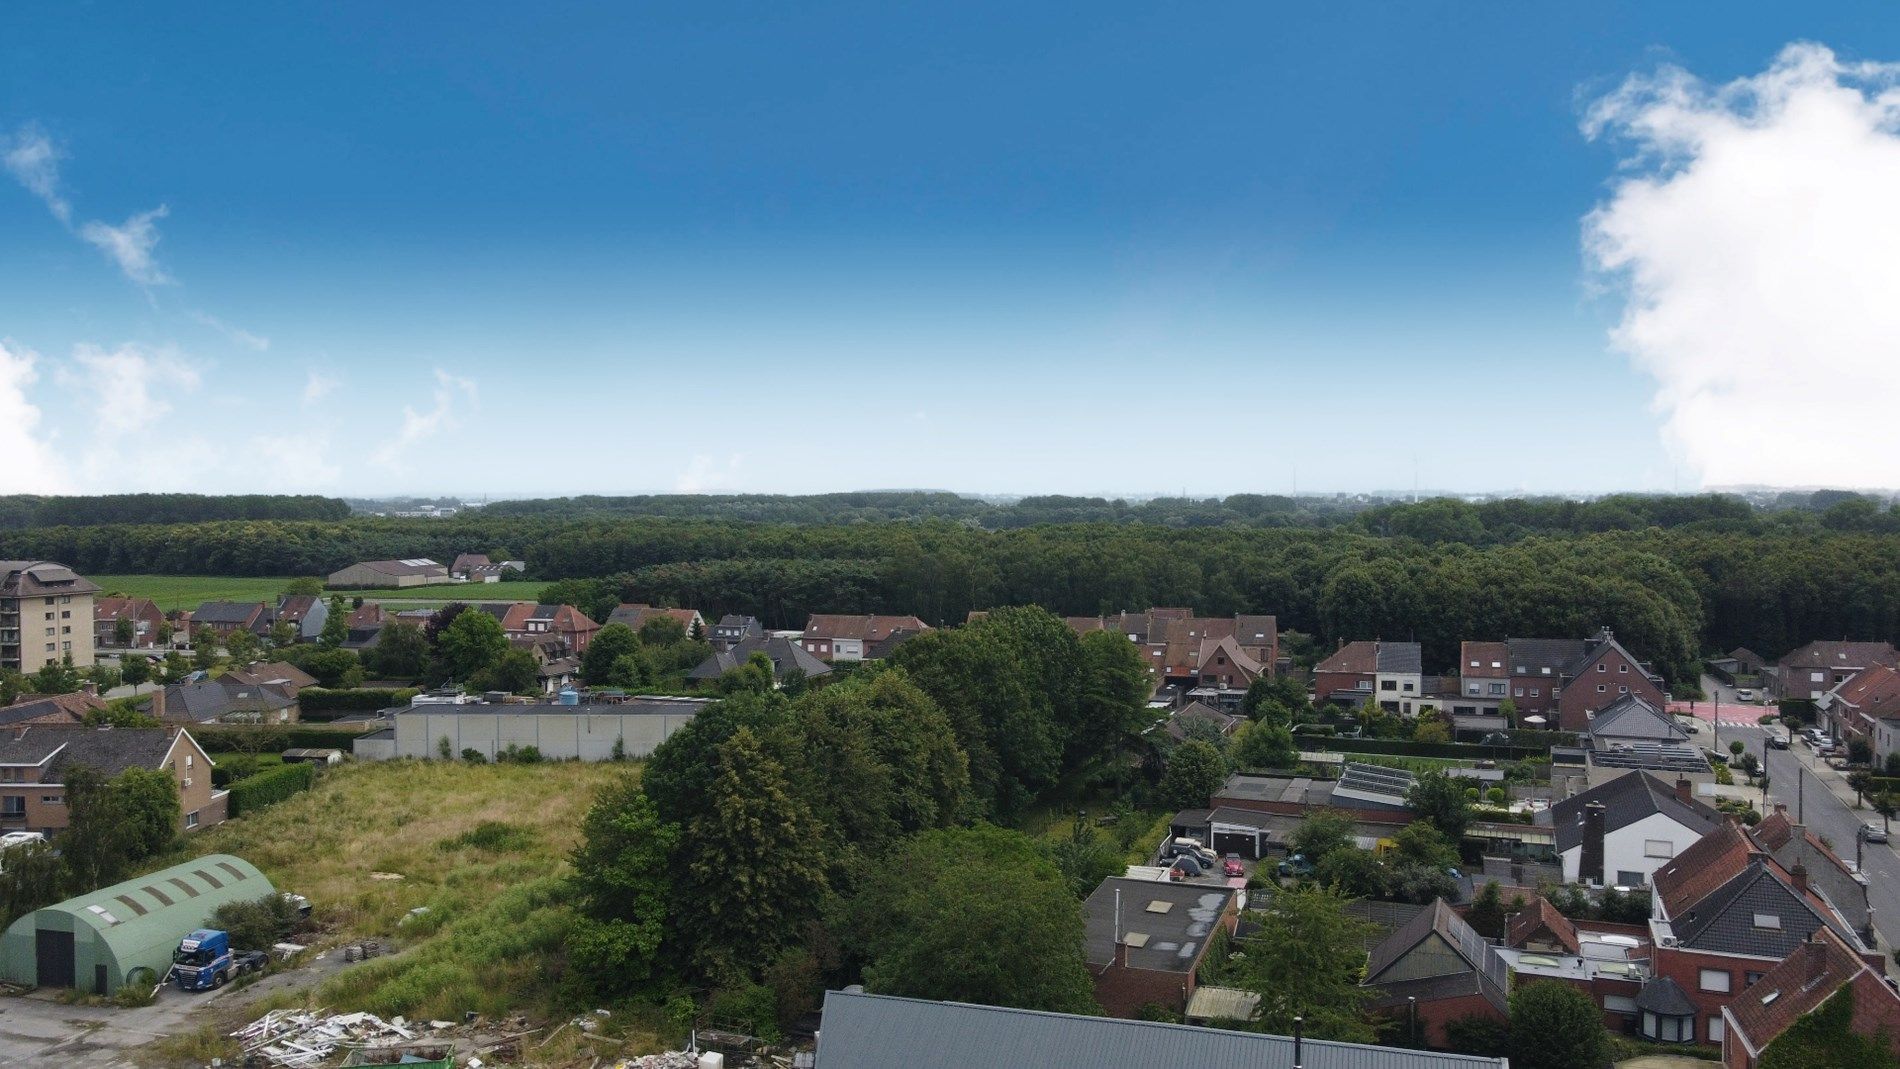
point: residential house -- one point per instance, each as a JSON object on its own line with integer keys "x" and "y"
{"x": 1391, "y": 673}
{"x": 1144, "y": 941}
{"x": 1196, "y": 651}
{"x": 307, "y": 613}
{"x": 1224, "y": 724}
{"x": 35, "y": 760}
{"x": 733, "y": 629}
{"x": 636, "y": 617}
{"x": 1725, "y": 912}
{"x": 1811, "y": 975}
{"x": 1439, "y": 967}
{"x": 786, "y": 656}
{"x": 1484, "y": 678}
{"x": 477, "y": 568}
{"x": 862, "y": 1031}
{"x": 281, "y": 674}
{"x": 145, "y": 617}
{"x": 415, "y": 571}
{"x": 1818, "y": 667}
{"x": 1795, "y": 845}
{"x": 563, "y": 622}
{"x": 223, "y": 701}
{"x": 45, "y": 615}
{"x": 1855, "y": 707}
{"x": 224, "y": 617}
{"x": 53, "y": 709}
{"x": 1620, "y": 832}
{"x": 363, "y": 626}
{"x": 1609, "y": 963}
{"x": 1565, "y": 681}
{"x": 1630, "y": 720}
{"x": 834, "y": 638}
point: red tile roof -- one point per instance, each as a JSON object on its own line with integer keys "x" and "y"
{"x": 1476, "y": 660}
{"x": 1707, "y": 864}
{"x": 1538, "y": 916}
{"x": 1874, "y": 692}
{"x": 1796, "y": 987}
{"x": 1354, "y": 658}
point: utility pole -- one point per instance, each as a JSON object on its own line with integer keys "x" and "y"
{"x": 1800, "y": 792}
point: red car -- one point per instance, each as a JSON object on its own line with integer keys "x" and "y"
{"x": 1233, "y": 867}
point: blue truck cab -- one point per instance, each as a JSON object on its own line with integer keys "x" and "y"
{"x": 203, "y": 960}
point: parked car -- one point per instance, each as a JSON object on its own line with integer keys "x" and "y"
{"x": 1873, "y": 833}
{"x": 1295, "y": 866}
{"x": 1690, "y": 725}
{"x": 1495, "y": 738}
{"x": 1232, "y": 866}
{"x": 1190, "y": 865}
{"x": 1745, "y": 695}
{"x": 1777, "y": 742}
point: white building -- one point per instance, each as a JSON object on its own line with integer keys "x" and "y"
{"x": 558, "y": 732}
{"x": 1620, "y": 832}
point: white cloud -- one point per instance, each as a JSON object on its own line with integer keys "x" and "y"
{"x": 33, "y": 160}
{"x": 704, "y": 474}
{"x": 133, "y": 387}
{"x": 450, "y": 390}
{"x": 238, "y": 335}
{"x": 28, "y": 462}
{"x": 317, "y": 386}
{"x": 130, "y": 245}
{"x": 1752, "y": 239}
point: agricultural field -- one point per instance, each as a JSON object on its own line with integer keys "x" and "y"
{"x": 190, "y": 591}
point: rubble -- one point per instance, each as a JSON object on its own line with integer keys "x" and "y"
{"x": 301, "y": 1039}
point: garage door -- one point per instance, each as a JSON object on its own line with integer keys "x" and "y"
{"x": 53, "y": 958}
{"x": 1227, "y": 842}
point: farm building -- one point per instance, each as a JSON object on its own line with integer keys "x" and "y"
{"x": 124, "y": 933}
{"x": 417, "y": 571}
{"x": 559, "y": 732}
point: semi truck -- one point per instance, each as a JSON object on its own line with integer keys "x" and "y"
{"x": 204, "y": 960}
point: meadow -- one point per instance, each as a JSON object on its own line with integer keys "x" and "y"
{"x": 190, "y": 591}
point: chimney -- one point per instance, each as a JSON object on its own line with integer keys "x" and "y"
{"x": 1782, "y": 808}
{"x": 89, "y": 688}
{"x": 158, "y": 704}
{"x": 1800, "y": 876}
{"x": 1683, "y": 790}
{"x": 1590, "y": 870}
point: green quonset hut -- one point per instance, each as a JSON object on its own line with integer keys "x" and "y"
{"x": 125, "y": 932}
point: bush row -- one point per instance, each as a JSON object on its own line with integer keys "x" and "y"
{"x": 255, "y": 792}
{"x": 317, "y": 700}
{"x": 238, "y": 738}
{"x": 1408, "y": 748}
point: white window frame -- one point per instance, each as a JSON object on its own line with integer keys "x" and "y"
{"x": 1716, "y": 980}
{"x": 1658, "y": 848}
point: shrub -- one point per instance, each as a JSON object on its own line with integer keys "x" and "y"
{"x": 255, "y": 792}
{"x": 752, "y": 1009}
{"x": 494, "y": 836}
{"x": 472, "y": 755}
{"x": 256, "y": 924}
{"x": 313, "y": 702}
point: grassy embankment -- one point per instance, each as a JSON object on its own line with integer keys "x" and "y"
{"x": 190, "y": 591}
{"x": 484, "y": 847}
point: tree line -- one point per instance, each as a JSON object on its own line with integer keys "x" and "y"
{"x": 19, "y": 511}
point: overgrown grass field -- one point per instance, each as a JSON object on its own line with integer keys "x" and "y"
{"x": 190, "y": 591}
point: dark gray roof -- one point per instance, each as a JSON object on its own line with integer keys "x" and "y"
{"x": 211, "y": 699}
{"x": 1627, "y": 799}
{"x": 784, "y": 654}
{"x": 1176, "y": 935}
{"x": 227, "y": 612}
{"x": 1242, "y": 818}
{"x": 1630, "y": 717}
{"x": 1666, "y": 998}
{"x": 108, "y": 750}
{"x": 1537, "y": 654}
{"x": 33, "y": 708}
{"x": 1400, "y": 657}
{"x": 31, "y": 578}
{"x": 879, "y": 1031}
{"x": 1724, "y": 920}
{"x": 1481, "y": 972}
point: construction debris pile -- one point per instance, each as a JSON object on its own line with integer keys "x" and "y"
{"x": 300, "y": 1039}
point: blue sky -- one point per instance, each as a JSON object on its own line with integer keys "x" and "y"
{"x": 471, "y": 249}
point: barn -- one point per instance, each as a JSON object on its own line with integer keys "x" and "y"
{"x": 124, "y": 933}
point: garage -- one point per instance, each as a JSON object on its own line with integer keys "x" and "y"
{"x": 1237, "y": 831}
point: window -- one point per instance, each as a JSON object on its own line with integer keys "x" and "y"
{"x": 1603, "y": 667}
{"x": 1520, "y": 692}
{"x": 1768, "y": 921}
{"x": 1601, "y": 688}
{"x": 1497, "y": 664}
{"x": 1388, "y": 684}
{"x": 1622, "y": 669}
{"x": 1713, "y": 980}
{"x": 191, "y": 819}
{"x": 1545, "y": 670}
{"x": 13, "y": 805}
{"x": 1626, "y": 878}
{"x": 1534, "y": 692}
{"x": 1716, "y": 1031}
{"x": 1408, "y": 688}
{"x": 52, "y": 799}
{"x": 1471, "y": 688}
{"x": 188, "y": 760}
{"x": 1622, "y": 690}
{"x": 1497, "y": 690}
{"x": 1817, "y": 676}
{"x": 1658, "y": 848}
{"x": 1521, "y": 670}
{"x": 1474, "y": 664}
{"x": 1751, "y": 979}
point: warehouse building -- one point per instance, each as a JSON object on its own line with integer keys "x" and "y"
{"x": 417, "y": 571}
{"x": 577, "y": 732}
{"x": 125, "y": 933}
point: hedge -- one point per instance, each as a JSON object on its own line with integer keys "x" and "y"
{"x": 1408, "y": 748}
{"x": 255, "y": 792}
{"x": 315, "y": 700}
{"x": 235, "y": 738}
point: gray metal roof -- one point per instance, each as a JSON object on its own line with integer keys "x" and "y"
{"x": 1536, "y": 654}
{"x": 1400, "y": 657}
{"x": 655, "y": 706}
{"x": 1630, "y": 717}
{"x": 878, "y": 1031}
{"x": 229, "y": 612}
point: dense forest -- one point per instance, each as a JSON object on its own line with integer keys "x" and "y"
{"x": 1676, "y": 577}
{"x": 19, "y": 511}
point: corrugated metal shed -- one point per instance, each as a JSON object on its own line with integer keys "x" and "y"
{"x": 877, "y": 1031}
{"x": 94, "y": 941}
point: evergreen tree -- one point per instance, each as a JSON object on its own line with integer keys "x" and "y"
{"x": 1305, "y": 961}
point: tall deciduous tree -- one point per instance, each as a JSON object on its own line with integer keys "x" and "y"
{"x": 473, "y": 643}
{"x": 1440, "y": 799}
{"x": 400, "y": 652}
{"x": 972, "y": 915}
{"x": 1195, "y": 771}
{"x": 608, "y": 645}
{"x": 622, "y": 874}
{"x": 1262, "y": 744}
{"x": 754, "y": 866}
{"x": 135, "y": 671}
{"x": 1304, "y": 960}
{"x": 115, "y": 823}
{"x": 1555, "y": 1026}
{"x": 1111, "y": 697}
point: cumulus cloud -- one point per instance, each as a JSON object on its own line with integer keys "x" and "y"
{"x": 237, "y": 335}
{"x": 317, "y": 386}
{"x": 1751, "y": 238}
{"x": 451, "y": 392}
{"x": 130, "y": 245}
{"x": 30, "y": 466}
{"x": 705, "y": 474}
{"x": 132, "y": 387}
{"x": 33, "y": 160}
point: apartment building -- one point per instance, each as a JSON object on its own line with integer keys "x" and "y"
{"x": 45, "y": 615}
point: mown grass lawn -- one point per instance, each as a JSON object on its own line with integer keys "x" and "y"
{"x": 190, "y": 591}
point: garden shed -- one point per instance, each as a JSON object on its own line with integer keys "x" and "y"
{"x": 124, "y": 933}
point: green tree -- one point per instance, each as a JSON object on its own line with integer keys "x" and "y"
{"x": 679, "y": 768}
{"x": 34, "y": 876}
{"x": 516, "y": 672}
{"x": 1440, "y": 799}
{"x": 470, "y": 645}
{"x": 661, "y": 631}
{"x": 55, "y": 677}
{"x": 999, "y": 709}
{"x": 115, "y": 823}
{"x": 1304, "y": 961}
{"x": 608, "y": 645}
{"x": 1112, "y": 697}
{"x": 336, "y": 628}
{"x": 754, "y": 866}
{"x": 283, "y": 633}
{"x": 1431, "y": 731}
{"x": 135, "y": 671}
{"x": 1085, "y": 858}
{"x": 972, "y": 915}
{"x": 1422, "y": 843}
{"x": 1487, "y": 912}
{"x": 176, "y": 667}
{"x": 308, "y": 585}
{"x": 241, "y": 645}
{"x": 1195, "y": 772}
{"x": 1278, "y": 698}
{"x": 333, "y": 668}
{"x": 204, "y": 647}
{"x": 621, "y": 876}
{"x": 754, "y": 676}
{"x": 1323, "y": 833}
{"x": 123, "y": 632}
{"x": 1262, "y": 744}
{"x": 1555, "y": 1026}
{"x": 400, "y": 652}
